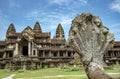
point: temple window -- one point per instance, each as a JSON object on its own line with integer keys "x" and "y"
{"x": 47, "y": 53}
{"x": 10, "y": 54}
{"x": 109, "y": 53}
{"x": 34, "y": 52}
{"x": 61, "y": 54}
{"x": 69, "y": 54}
{"x": 1, "y": 55}
{"x": 55, "y": 54}
{"x": 41, "y": 53}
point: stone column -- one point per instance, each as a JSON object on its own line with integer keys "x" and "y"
{"x": 29, "y": 48}
{"x": 43, "y": 53}
{"x": 50, "y": 55}
{"x": 58, "y": 54}
{"x": 4, "y": 56}
{"x": 20, "y": 50}
{"x": 16, "y": 49}
{"x": 36, "y": 54}
{"x": 66, "y": 53}
{"x": 117, "y": 62}
{"x": 72, "y": 54}
{"x": 117, "y": 53}
{"x": 113, "y": 54}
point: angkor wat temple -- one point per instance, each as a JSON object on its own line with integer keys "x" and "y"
{"x": 32, "y": 49}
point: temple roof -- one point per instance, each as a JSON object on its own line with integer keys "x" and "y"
{"x": 11, "y": 29}
{"x": 37, "y": 28}
{"x": 44, "y": 48}
{"x": 56, "y": 41}
{"x": 27, "y": 28}
{"x": 114, "y": 49}
{"x": 9, "y": 49}
{"x": 117, "y": 43}
{"x": 2, "y": 50}
{"x": 59, "y": 32}
{"x": 58, "y": 49}
{"x": 45, "y": 34}
{"x": 55, "y": 49}
{"x": 2, "y": 43}
{"x": 15, "y": 35}
{"x": 11, "y": 41}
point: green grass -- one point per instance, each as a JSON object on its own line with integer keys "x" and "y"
{"x": 113, "y": 69}
{"x": 70, "y": 73}
{"x": 3, "y": 73}
{"x": 50, "y": 72}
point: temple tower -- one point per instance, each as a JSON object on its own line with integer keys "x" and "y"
{"x": 59, "y": 32}
{"x": 11, "y": 30}
{"x": 37, "y": 28}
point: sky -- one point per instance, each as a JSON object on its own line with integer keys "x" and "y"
{"x": 49, "y": 13}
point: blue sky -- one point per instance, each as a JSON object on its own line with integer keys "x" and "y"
{"x": 49, "y": 13}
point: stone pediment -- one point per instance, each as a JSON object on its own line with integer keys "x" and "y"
{"x": 28, "y": 33}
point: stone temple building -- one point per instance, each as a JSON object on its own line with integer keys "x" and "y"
{"x": 113, "y": 55}
{"x": 32, "y": 48}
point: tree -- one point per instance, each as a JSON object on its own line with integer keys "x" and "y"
{"x": 91, "y": 40}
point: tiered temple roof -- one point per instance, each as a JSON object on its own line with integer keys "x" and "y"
{"x": 11, "y": 29}
{"x": 59, "y": 32}
{"x": 37, "y": 28}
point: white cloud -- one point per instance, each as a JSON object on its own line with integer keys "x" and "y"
{"x": 50, "y": 20}
{"x": 54, "y": 20}
{"x": 3, "y": 25}
{"x": 115, "y": 5}
{"x": 83, "y": 1}
{"x": 66, "y": 21}
{"x": 116, "y": 25}
{"x": 14, "y": 4}
{"x": 34, "y": 13}
{"x": 116, "y": 33}
{"x": 115, "y": 29}
{"x": 68, "y": 2}
{"x": 63, "y": 13}
{"x": 60, "y": 2}
{"x": 49, "y": 17}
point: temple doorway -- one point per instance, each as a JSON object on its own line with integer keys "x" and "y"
{"x": 25, "y": 51}
{"x": 24, "y": 47}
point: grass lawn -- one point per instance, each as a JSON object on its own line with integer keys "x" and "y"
{"x": 51, "y": 72}
{"x": 56, "y": 73}
{"x": 114, "y": 69}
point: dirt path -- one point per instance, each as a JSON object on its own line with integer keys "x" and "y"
{"x": 52, "y": 76}
{"x": 10, "y": 77}
{"x": 58, "y": 76}
{"x": 113, "y": 73}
